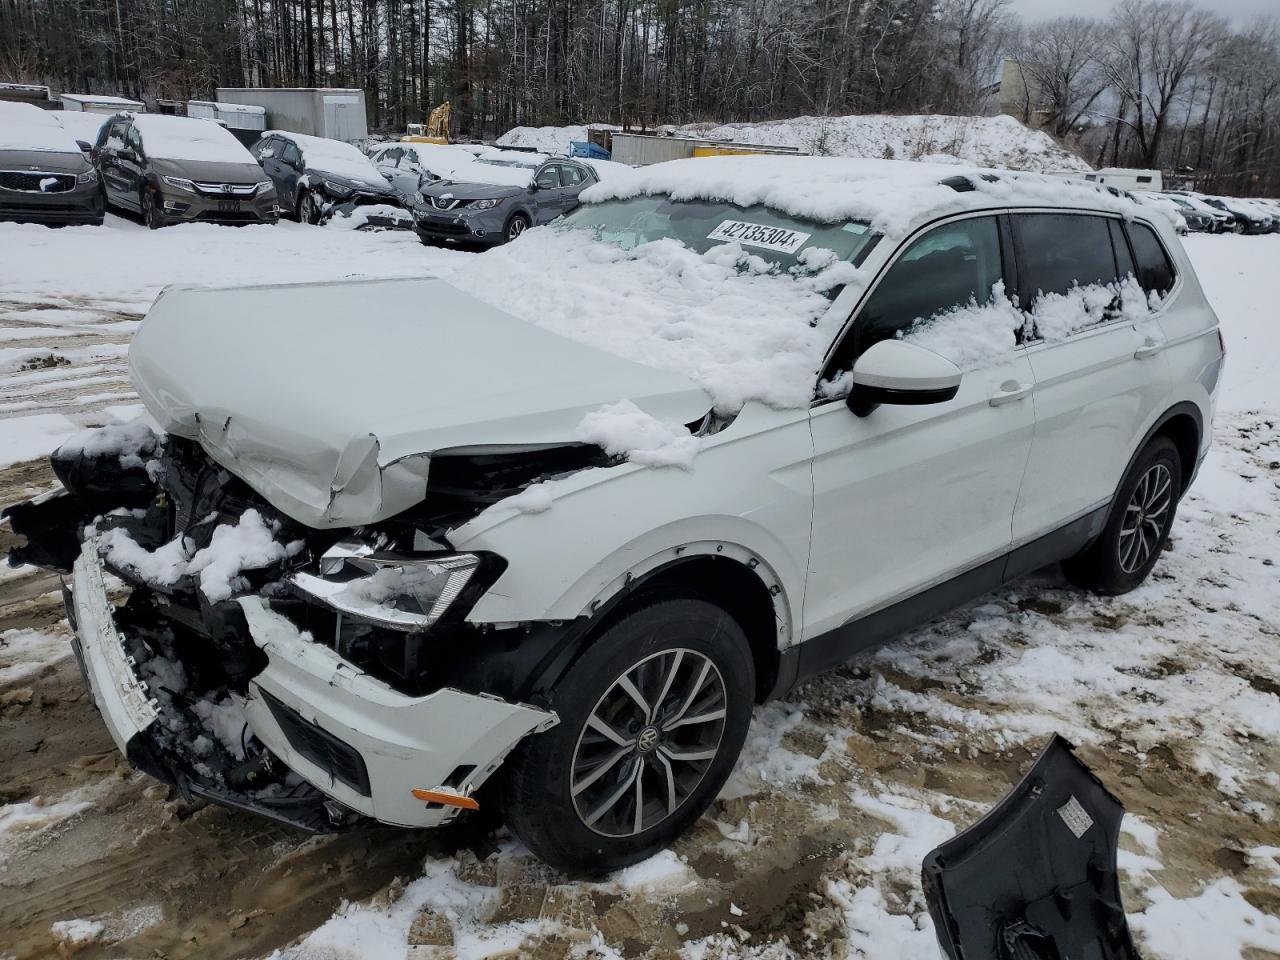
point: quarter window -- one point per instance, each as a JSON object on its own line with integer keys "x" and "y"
{"x": 1063, "y": 250}
{"x": 1155, "y": 272}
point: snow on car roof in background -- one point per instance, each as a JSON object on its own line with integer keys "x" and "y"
{"x": 892, "y": 195}
{"x": 332, "y": 156}
{"x": 187, "y": 138}
{"x": 24, "y": 126}
{"x": 81, "y": 125}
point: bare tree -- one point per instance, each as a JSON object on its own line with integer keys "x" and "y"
{"x": 1063, "y": 70}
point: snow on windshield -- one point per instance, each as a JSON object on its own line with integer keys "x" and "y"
{"x": 24, "y": 126}
{"x": 893, "y": 196}
{"x": 188, "y": 138}
{"x": 734, "y": 323}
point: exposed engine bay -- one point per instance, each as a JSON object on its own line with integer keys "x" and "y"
{"x": 187, "y": 542}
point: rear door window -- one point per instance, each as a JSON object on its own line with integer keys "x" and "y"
{"x": 572, "y": 175}
{"x": 549, "y": 177}
{"x": 1154, "y": 272}
{"x": 1063, "y": 250}
{"x": 291, "y": 155}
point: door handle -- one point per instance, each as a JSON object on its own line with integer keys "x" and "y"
{"x": 1010, "y": 391}
{"x": 1150, "y": 347}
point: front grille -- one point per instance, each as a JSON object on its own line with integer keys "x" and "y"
{"x": 227, "y": 189}
{"x": 438, "y": 225}
{"x": 442, "y": 203}
{"x": 30, "y": 181}
{"x": 231, "y": 216}
{"x": 339, "y": 760}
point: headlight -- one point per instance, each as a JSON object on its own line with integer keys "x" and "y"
{"x": 484, "y": 204}
{"x": 338, "y": 189}
{"x": 90, "y": 176}
{"x": 181, "y": 183}
{"x": 263, "y": 186}
{"x": 397, "y": 591}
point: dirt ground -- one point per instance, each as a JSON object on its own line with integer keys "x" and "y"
{"x": 772, "y": 869}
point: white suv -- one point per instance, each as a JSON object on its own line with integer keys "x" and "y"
{"x": 568, "y": 515}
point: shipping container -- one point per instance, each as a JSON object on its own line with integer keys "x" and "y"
{"x": 337, "y": 113}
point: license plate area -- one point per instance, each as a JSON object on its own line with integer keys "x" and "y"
{"x": 228, "y": 206}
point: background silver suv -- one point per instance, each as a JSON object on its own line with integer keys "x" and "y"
{"x": 495, "y": 212}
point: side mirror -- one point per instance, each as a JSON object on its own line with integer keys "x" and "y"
{"x": 124, "y": 153}
{"x": 898, "y": 372}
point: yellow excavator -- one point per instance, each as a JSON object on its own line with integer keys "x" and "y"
{"x": 435, "y": 130}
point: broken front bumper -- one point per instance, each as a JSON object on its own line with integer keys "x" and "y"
{"x": 353, "y": 738}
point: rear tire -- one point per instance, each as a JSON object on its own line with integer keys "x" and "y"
{"x": 572, "y": 793}
{"x": 1141, "y": 517}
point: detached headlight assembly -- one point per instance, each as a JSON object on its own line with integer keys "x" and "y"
{"x": 182, "y": 183}
{"x": 484, "y": 204}
{"x": 399, "y": 591}
{"x": 90, "y": 176}
{"x": 338, "y": 189}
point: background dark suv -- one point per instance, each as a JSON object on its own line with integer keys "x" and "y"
{"x": 181, "y": 169}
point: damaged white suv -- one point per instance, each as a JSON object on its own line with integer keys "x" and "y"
{"x": 539, "y": 534}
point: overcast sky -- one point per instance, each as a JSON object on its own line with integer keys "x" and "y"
{"x": 1239, "y": 11}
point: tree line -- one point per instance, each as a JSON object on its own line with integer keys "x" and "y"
{"x": 1157, "y": 83}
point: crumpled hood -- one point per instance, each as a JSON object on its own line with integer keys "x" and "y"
{"x": 465, "y": 190}
{"x": 372, "y": 182}
{"x": 328, "y": 398}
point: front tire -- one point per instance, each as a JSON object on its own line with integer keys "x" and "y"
{"x": 1141, "y": 517}
{"x": 151, "y": 214}
{"x": 652, "y": 719}
{"x": 308, "y": 208}
{"x": 517, "y": 225}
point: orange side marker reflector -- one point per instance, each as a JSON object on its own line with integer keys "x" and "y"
{"x": 448, "y": 799}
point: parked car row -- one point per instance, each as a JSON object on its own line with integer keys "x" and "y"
{"x": 1206, "y": 213}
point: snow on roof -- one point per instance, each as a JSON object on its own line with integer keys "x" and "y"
{"x": 82, "y": 126}
{"x": 892, "y": 195}
{"x": 188, "y": 138}
{"x": 95, "y": 98}
{"x": 552, "y": 140}
{"x": 332, "y": 156}
{"x": 24, "y": 126}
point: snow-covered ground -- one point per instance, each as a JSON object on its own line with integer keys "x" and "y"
{"x": 1172, "y": 694}
{"x": 987, "y": 141}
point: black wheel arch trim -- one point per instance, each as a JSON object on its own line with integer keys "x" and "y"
{"x": 1182, "y": 408}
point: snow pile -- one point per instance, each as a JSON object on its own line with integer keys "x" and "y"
{"x": 721, "y": 318}
{"x": 1058, "y": 315}
{"x": 623, "y": 429}
{"x": 891, "y": 195}
{"x": 77, "y": 933}
{"x": 189, "y": 138}
{"x": 358, "y": 218}
{"x": 249, "y": 544}
{"x": 999, "y": 141}
{"x": 556, "y": 141}
{"x": 131, "y": 443}
{"x": 1219, "y": 922}
{"x": 25, "y": 653}
{"x": 24, "y": 126}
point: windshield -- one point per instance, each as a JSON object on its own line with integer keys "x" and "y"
{"x": 786, "y": 242}
{"x": 508, "y": 163}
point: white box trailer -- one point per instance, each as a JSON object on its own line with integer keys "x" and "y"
{"x": 236, "y": 116}
{"x": 1128, "y": 178}
{"x": 93, "y": 103}
{"x": 334, "y": 112}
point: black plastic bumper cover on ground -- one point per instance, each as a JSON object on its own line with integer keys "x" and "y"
{"x": 1036, "y": 878}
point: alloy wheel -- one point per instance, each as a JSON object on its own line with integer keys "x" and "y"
{"x": 648, "y": 742}
{"x": 1145, "y": 517}
{"x": 515, "y": 228}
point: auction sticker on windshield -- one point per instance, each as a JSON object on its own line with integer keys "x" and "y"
{"x": 759, "y": 235}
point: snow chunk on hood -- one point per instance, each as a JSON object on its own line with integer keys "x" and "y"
{"x": 722, "y": 319}
{"x": 133, "y": 443}
{"x": 249, "y": 544}
{"x": 624, "y": 429}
